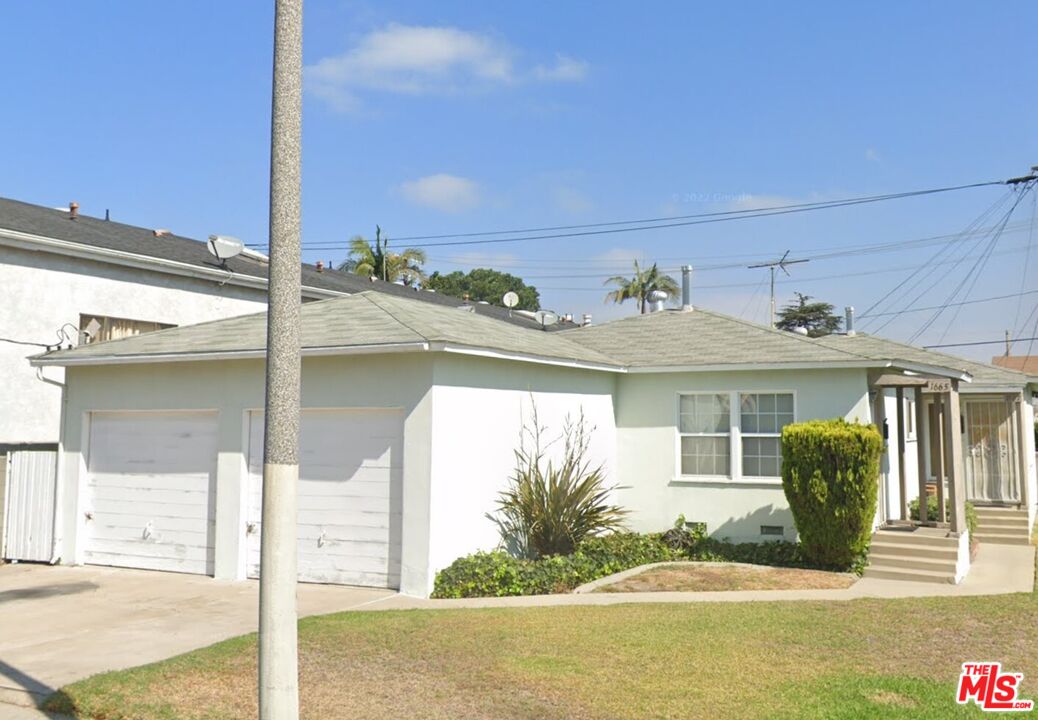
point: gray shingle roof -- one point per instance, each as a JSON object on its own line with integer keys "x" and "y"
{"x": 365, "y": 319}
{"x": 882, "y": 348}
{"x": 673, "y": 338}
{"x": 95, "y": 232}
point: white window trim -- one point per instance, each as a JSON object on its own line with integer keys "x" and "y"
{"x": 736, "y": 476}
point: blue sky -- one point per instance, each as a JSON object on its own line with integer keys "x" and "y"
{"x": 461, "y": 117}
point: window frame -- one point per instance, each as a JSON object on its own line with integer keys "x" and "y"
{"x": 735, "y": 470}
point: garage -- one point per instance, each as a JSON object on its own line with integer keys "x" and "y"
{"x": 150, "y": 496}
{"x": 350, "y": 485}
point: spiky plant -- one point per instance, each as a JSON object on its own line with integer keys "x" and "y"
{"x": 640, "y": 286}
{"x": 551, "y": 506}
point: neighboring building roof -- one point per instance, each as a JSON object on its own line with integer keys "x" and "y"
{"x": 701, "y": 338}
{"x": 877, "y": 347}
{"x": 114, "y": 237}
{"x": 1027, "y": 364}
{"x": 366, "y": 322}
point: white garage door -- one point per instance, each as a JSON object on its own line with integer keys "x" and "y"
{"x": 349, "y": 496}
{"x": 150, "y": 496}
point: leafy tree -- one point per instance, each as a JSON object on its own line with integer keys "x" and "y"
{"x": 641, "y": 286}
{"x": 484, "y": 284}
{"x": 376, "y": 260}
{"x": 816, "y": 317}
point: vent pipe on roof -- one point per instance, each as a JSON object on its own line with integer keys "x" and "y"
{"x": 656, "y": 300}
{"x": 586, "y": 320}
{"x": 849, "y": 322}
{"x": 73, "y": 210}
{"x": 686, "y": 287}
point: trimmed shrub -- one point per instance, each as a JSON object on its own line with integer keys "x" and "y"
{"x": 931, "y": 512}
{"x": 830, "y": 474}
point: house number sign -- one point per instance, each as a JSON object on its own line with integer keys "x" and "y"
{"x": 938, "y": 386}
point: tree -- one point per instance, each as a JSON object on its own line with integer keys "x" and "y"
{"x": 485, "y": 284}
{"x": 375, "y": 260}
{"x": 641, "y": 286}
{"x": 816, "y": 317}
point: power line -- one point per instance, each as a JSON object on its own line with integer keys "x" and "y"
{"x": 982, "y": 342}
{"x": 25, "y": 342}
{"x": 964, "y": 302}
{"x": 659, "y": 223}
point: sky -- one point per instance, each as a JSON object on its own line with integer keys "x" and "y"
{"x": 460, "y": 117}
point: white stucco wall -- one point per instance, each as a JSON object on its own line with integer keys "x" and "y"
{"x": 479, "y": 408}
{"x": 1032, "y": 471}
{"x": 233, "y": 388}
{"x": 43, "y": 291}
{"x": 646, "y": 420}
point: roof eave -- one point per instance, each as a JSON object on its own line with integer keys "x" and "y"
{"x": 29, "y": 241}
{"x": 323, "y": 351}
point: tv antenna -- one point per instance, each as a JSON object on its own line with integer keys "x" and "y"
{"x": 781, "y": 263}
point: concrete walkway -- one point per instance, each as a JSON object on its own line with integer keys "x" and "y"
{"x": 61, "y": 624}
{"x": 998, "y": 569}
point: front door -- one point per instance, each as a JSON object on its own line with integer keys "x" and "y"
{"x": 990, "y": 451}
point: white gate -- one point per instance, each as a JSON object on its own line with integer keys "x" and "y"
{"x": 990, "y": 451}
{"x": 29, "y": 514}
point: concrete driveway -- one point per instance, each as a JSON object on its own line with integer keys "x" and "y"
{"x": 61, "y": 624}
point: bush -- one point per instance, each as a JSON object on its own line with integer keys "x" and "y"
{"x": 498, "y": 574}
{"x": 931, "y": 512}
{"x": 830, "y": 474}
{"x": 548, "y": 508}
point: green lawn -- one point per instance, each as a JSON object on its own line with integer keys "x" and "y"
{"x": 860, "y": 659}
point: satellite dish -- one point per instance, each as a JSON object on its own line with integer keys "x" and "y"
{"x": 546, "y": 317}
{"x": 510, "y": 299}
{"x": 223, "y": 247}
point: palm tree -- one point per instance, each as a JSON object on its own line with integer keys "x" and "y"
{"x": 641, "y": 286}
{"x": 375, "y": 260}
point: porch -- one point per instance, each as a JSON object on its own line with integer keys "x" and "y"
{"x": 951, "y": 447}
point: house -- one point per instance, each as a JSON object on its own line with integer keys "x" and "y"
{"x": 1027, "y": 364}
{"x": 412, "y": 411}
{"x": 67, "y": 278}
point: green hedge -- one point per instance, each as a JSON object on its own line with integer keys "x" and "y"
{"x": 931, "y": 512}
{"x": 830, "y": 474}
{"x": 498, "y": 574}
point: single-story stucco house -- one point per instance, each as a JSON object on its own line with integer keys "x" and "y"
{"x": 412, "y": 411}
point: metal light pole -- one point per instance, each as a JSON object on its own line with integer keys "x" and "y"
{"x": 278, "y": 651}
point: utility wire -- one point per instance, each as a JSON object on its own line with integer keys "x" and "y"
{"x": 973, "y": 274}
{"x": 982, "y": 342}
{"x": 489, "y": 237}
{"x": 1027, "y": 259}
{"x": 917, "y": 277}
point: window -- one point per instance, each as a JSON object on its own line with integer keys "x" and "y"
{"x": 705, "y": 428}
{"x": 97, "y": 328}
{"x": 772, "y": 530}
{"x": 762, "y": 417}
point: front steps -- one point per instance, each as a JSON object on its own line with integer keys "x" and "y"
{"x": 1002, "y": 525}
{"x": 915, "y": 554}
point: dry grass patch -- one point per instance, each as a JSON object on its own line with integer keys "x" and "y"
{"x": 855, "y": 659}
{"x": 711, "y": 577}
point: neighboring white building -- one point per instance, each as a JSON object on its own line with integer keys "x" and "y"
{"x": 412, "y": 411}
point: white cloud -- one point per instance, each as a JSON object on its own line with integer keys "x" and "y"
{"x": 565, "y": 69}
{"x": 571, "y": 200}
{"x": 619, "y": 257}
{"x": 872, "y": 155}
{"x": 421, "y": 60}
{"x": 443, "y": 192}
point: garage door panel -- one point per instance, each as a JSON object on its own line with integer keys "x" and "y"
{"x": 349, "y": 496}
{"x": 189, "y": 498}
{"x": 150, "y": 492}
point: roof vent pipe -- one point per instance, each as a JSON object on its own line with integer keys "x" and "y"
{"x": 849, "y": 323}
{"x": 73, "y": 210}
{"x": 586, "y": 320}
{"x": 686, "y": 287}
